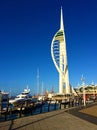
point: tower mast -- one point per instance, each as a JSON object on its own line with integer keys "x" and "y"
{"x": 61, "y": 20}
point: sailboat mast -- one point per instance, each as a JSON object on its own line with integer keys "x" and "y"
{"x": 37, "y": 81}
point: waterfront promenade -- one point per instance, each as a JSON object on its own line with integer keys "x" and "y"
{"x": 65, "y": 119}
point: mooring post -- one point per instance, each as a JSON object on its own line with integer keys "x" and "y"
{"x": 41, "y": 108}
{"x": 20, "y": 111}
{"x": 48, "y": 107}
{"x": 55, "y": 106}
{"x": 0, "y": 104}
{"x": 6, "y": 112}
{"x": 60, "y": 105}
{"x": 31, "y": 110}
{"x": 64, "y": 105}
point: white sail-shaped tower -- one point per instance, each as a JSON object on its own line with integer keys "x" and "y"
{"x": 59, "y": 56}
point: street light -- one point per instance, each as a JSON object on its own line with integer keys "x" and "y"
{"x": 83, "y": 84}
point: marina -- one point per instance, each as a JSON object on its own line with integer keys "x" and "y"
{"x": 69, "y": 119}
{"x": 25, "y": 104}
{"x": 33, "y": 106}
{"x": 23, "y": 111}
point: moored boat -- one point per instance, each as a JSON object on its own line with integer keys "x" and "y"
{"x": 4, "y": 99}
{"x": 21, "y": 98}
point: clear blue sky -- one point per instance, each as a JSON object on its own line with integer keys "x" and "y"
{"x": 26, "y": 31}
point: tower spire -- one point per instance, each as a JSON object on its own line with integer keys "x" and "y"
{"x": 61, "y": 20}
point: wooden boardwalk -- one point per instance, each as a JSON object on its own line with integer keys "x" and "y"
{"x": 65, "y": 119}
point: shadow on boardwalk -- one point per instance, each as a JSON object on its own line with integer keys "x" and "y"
{"x": 12, "y": 122}
{"x": 33, "y": 122}
{"x": 76, "y": 112}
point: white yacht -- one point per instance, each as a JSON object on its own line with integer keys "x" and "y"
{"x": 25, "y": 95}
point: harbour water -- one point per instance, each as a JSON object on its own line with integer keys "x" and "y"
{"x": 46, "y": 107}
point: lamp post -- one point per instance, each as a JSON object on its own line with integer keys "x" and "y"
{"x": 83, "y": 84}
{"x": 93, "y": 85}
